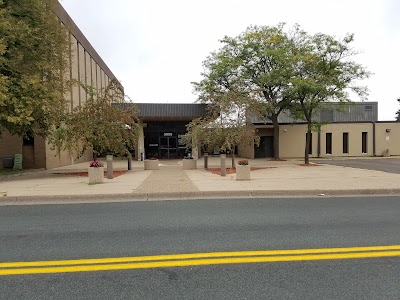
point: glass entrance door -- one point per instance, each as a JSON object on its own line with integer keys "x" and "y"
{"x": 168, "y": 147}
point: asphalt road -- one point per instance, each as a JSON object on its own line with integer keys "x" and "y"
{"x": 60, "y": 232}
{"x": 390, "y": 165}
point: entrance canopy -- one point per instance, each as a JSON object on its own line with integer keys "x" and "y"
{"x": 163, "y": 127}
{"x": 167, "y": 111}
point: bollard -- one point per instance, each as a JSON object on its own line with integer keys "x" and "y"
{"x": 129, "y": 161}
{"x": 205, "y": 160}
{"x": 109, "y": 167}
{"x": 223, "y": 164}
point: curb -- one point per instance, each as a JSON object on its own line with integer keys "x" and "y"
{"x": 138, "y": 197}
{"x": 22, "y": 173}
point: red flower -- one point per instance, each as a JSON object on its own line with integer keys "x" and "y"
{"x": 95, "y": 164}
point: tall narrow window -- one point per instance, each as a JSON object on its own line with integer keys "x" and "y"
{"x": 329, "y": 143}
{"x": 310, "y": 144}
{"x": 345, "y": 142}
{"x": 364, "y": 142}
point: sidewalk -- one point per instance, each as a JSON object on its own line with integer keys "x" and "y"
{"x": 274, "y": 178}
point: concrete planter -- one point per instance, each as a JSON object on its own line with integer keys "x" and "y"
{"x": 151, "y": 164}
{"x": 190, "y": 164}
{"x": 243, "y": 172}
{"x": 96, "y": 175}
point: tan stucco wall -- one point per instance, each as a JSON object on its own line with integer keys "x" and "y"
{"x": 107, "y": 80}
{"x": 87, "y": 156}
{"x": 82, "y": 72}
{"x": 56, "y": 159}
{"x": 75, "y": 73}
{"x": 88, "y": 69}
{"x": 140, "y": 146}
{"x": 98, "y": 76}
{"x": 355, "y": 139}
{"x": 388, "y": 140}
{"x": 292, "y": 140}
{"x": 94, "y": 79}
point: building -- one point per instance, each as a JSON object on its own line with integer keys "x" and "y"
{"x": 348, "y": 130}
{"x": 162, "y": 127}
{"x": 87, "y": 67}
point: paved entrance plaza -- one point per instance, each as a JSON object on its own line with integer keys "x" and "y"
{"x": 171, "y": 181}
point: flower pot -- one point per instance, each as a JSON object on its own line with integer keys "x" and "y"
{"x": 151, "y": 164}
{"x": 96, "y": 175}
{"x": 243, "y": 172}
{"x": 190, "y": 164}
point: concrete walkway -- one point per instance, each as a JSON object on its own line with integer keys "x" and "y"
{"x": 170, "y": 178}
{"x": 272, "y": 178}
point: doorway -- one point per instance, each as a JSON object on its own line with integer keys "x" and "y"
{"x": 266, "y": 147}
{"x": 168, "y": 147}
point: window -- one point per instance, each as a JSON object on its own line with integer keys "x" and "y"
{"x": 310, "y": 144}
{"x": 364, "y": 142}
{"x": 345, "y": 142}
{"x": 329, "y": 143}
{"x": 368, "y": 108}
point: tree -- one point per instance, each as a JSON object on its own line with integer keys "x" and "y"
{"x": 214, "y": 135}
{"x": 227, "y": 102}
{"x": 226, "y": 126}
{"x": 257, "y": 65}
{"x": 97, "y": 126}
{"x": 398, "y": 112}
{"x": 34, "y": 53}
{"x": 324, "y": 72}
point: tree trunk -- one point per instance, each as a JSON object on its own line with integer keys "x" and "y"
{"x": 233, "y": 157}
{"x": 274, "y": 119}
{"x": 94, "y": 156}
{"x": 308, "y": 140}
{"x": 308, "y": 116}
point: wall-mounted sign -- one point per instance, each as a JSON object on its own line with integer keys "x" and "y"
{"x": 153, "y": 145}
{"x": 167, "y": 133}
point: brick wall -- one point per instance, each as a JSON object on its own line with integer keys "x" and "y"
{"x": 40, "y": 152}
{"x": 9, "y": 146}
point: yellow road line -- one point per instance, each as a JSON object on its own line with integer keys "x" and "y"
{"x": 198, "y": 262}
{"x": 193, "y": 256}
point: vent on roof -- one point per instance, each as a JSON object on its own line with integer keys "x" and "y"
{"x": 368, "y": 107}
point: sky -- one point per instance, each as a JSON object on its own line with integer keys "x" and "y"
{"x": 156, "y": 47}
